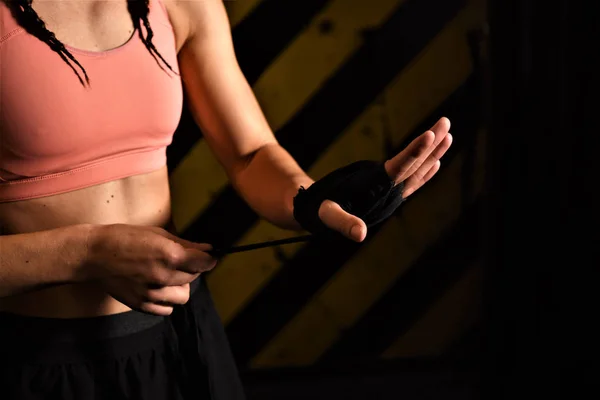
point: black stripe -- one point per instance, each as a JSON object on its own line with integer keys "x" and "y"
{"x": 316, "y": 263}
{"x": 186, "y": 136}
{"x": 469, "y": 345}
{"x": 258, "y": 40}
{"x": 336, "y": 105}
{"x": 436, "y": 271}
{"x": 268, "y": 30}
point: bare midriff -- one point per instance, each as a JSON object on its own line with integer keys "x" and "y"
{"x": 137, "y": 200}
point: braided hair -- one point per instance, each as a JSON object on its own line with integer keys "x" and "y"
{"x": 29, "y": 20}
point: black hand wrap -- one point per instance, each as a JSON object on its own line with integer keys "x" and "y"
{"x": 362, "y": 188}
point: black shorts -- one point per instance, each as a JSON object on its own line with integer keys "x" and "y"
{"x": 131, "y": 356}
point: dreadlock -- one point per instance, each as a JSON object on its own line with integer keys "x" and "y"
{"x": 33, "y": 24}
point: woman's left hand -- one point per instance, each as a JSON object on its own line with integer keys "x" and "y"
{"x": 415, "y": 165}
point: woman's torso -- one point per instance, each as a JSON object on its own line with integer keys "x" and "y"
{"x": 142, "y": 199}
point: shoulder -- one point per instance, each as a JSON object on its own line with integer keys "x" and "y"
{"x": 178, "y": 19}
{"x": 194, "y": 18}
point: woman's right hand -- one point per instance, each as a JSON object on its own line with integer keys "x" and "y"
{"x": 146, "y": 268}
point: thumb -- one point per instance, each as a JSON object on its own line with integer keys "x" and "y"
{"x": 336, "y": 218}
{"x": 185, "y": 243}
{"x": 197, "y": 261}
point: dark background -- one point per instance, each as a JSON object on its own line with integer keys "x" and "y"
{"x": 527, "y": 324}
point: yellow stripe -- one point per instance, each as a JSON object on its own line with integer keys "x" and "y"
{"x": 193, "y": 183}
{"x": 284, "y": 87}
{"x": 239, "y": 9}
{"x": 450, "y": 317}
{"x": 314, "y": 57}
{"x": 413, "y": 95}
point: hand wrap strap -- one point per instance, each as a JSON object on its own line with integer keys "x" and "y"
{"x": 362, "y": 188}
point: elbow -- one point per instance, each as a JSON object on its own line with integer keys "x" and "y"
{"x": 241, "y": 163}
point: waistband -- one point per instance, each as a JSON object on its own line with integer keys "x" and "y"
{"x": 47, "y": 340}
{"x": 72, "y": 340}
{"x": 18, "y": 328}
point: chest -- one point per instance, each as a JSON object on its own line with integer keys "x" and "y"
{"x": 101, "y": 25}
{"x": 87, "y": 25}
{"x": 46, "y": 115}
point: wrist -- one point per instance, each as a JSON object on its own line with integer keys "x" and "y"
{"x": 304, "y": 182}
{"x": 88, "y": 269}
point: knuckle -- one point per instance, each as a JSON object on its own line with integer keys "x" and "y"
{"x": 147, "y": 308}
{"x": 173, "y": 254}
{"x": 159, "y": 276}
{"x": 151, "y": 296}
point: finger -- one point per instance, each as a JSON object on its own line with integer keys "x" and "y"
{"x": 441, "y": 127}
{"x": 182, "y": 255}
{"x": 160, "y": 276}
{"x": 399, "y": 166}
{"x": 334, "y": 217}
{"x": 183, "y": 242}
{"x": 441, "y": 149}
{"x": 188, "y": 259}
{"x": 169, "y": 295}
{"x": 132, "y": 298}
{"x": 435, "y": 155}
{"x": 196, "y": 261}
{"x": 412, "y": 185}
{"x": 156, "y": 309}
{"x": 440, "y": 131}
{"x": 427, "y": 169}
{"x": 423, "y": 174}
{"x": 432, "y": 171}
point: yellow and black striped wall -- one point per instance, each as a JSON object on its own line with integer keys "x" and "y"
{"x": 339, "y": 81}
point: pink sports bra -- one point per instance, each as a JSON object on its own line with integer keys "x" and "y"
{"x": 58, "y": 136}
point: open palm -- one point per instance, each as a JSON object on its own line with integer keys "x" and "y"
{"x": 414, "y": 165}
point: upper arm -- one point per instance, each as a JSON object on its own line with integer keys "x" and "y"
{"x": 220, "y": 97}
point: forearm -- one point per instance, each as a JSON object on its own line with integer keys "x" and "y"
{"x": 268, "y": 182}
{"x": 30, "y": 261}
